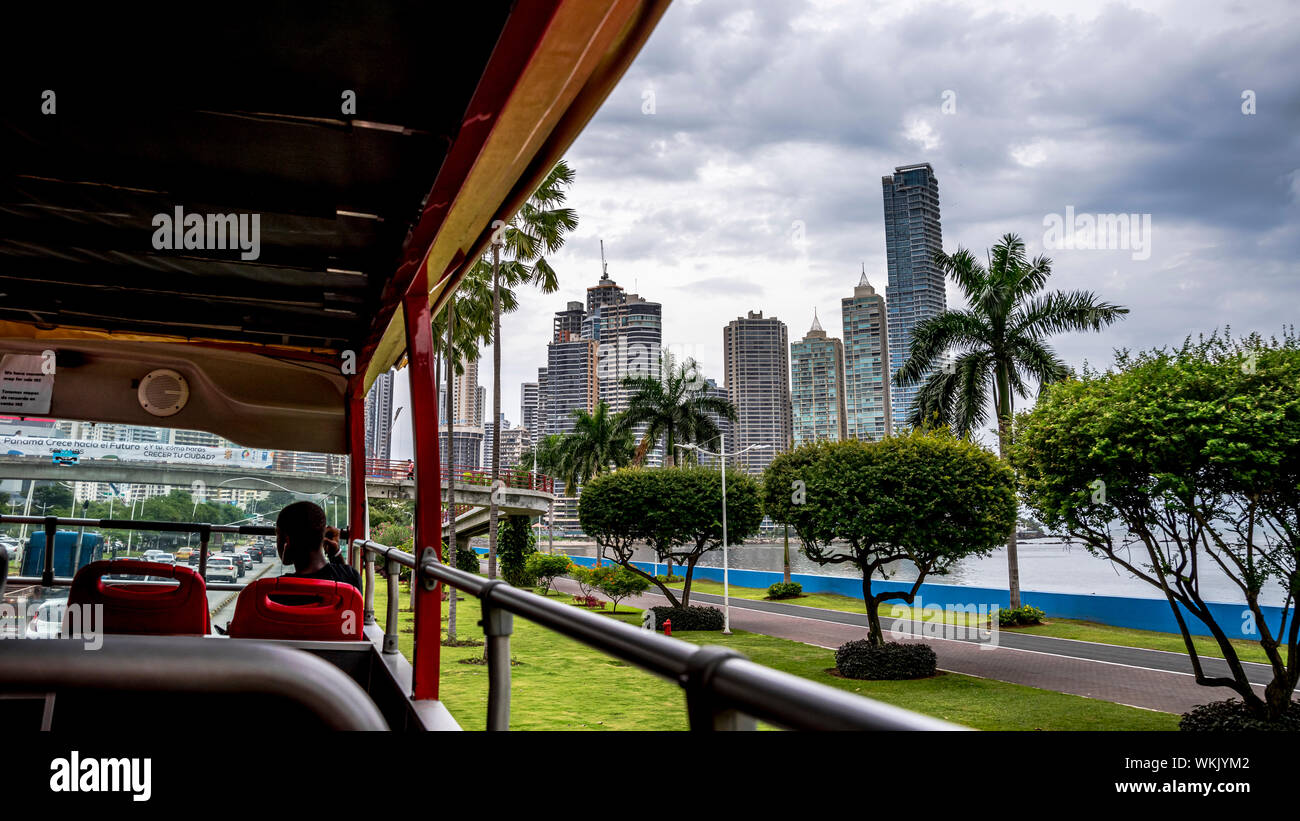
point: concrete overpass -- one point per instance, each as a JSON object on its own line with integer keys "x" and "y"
{"x": 512, "y": 501}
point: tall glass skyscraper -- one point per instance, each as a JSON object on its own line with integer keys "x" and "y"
{"x": 916, "y": 285}
{"x": 817, "y": 386}
{"x": 866, "y": 364}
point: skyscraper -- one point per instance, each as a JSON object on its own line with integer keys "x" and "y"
{"x": 756, "y": 360}
{"x": 379, "y": 418}
{"x": 817, "y": 386}
{"x": 568, "y": 323}
{"x": 570, "y": 382}
{"x": 866, "y": 364}
{"x": 542, "y": 405}
{"x": 468, "y": 435}
{"x": 916, "y": 285}
{"x": 528, "y": 407}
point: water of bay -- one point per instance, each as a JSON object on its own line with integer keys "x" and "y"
{"x": 1046, "y": 565}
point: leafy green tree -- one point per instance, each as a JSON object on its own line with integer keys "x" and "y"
{"x": 674, "y": 408}
{"x": 598, "y": 442}
{"x": 928, "y": 498}
{"x": 620, "y": 583}
{"x": 1196, "y": 453}
{"x": 51, "y": 499}
{"x": 677, "y": 511}
{"x": 999, "y": 342}
{"x": 390, "y": 511}
{"x": 547, "y": 567}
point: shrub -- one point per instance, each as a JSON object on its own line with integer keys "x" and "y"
{"x": 589, "y": 579}
{"x": 785, "y": 590}
{"x": 1231, "y": 716}
{"x": 688, "y": 618}
{"x": 546, "y": 567}
{"x": 466, "y": 559}
{"x": 621, "y": 583}
{"x": 1017, "y": 616}
{"x": 889, "y": 661}
{"x": 515, "y": 543}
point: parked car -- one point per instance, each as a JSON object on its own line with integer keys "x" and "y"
{"x": 222, "y": 568}
{"x": 14, "y": 548}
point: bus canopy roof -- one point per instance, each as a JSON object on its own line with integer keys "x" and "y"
{"x": 257, "y": 185}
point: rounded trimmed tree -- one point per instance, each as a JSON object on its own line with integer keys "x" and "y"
{"x": 1195, "y": 454}
{"x": 928, "y": 498}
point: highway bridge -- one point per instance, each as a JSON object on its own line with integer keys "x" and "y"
{"x": 519, "y": 494}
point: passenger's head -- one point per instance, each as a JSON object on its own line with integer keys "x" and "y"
{"x": 331, "y": 543}
{"x": 299, "y": 530}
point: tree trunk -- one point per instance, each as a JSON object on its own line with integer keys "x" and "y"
{"x": 1004, "y": 440}
{"x": 875, "y": 634}
{"x": 787, "y": 554}
{"x": 690, "y": 577}
{"x": 496, "y": 410}
{"x": 451, "y": 475}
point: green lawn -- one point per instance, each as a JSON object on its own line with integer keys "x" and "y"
{"x": 561, "y": 684}
{"x": 1057, "y": 628}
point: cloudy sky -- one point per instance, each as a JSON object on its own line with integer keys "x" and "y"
{"x": 737, "y": 165}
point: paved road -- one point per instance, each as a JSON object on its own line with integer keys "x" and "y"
{"x": 1151, "y": 679}
{"x": 221, "y": 603}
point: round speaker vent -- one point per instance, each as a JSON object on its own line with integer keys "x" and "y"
{"x": 163, "y": 392}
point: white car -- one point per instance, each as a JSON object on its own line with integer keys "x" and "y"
{"x": 47, "y": 621}
{"x": 222, "y": 568}
{"x": 165, "y": 558}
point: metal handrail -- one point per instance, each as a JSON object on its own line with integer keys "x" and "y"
{"x": 724, "y": 690}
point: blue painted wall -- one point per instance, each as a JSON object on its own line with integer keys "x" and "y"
{"x": 1118, "y": 611}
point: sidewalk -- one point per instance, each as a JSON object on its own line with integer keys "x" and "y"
{"x": 1151, "y": 679}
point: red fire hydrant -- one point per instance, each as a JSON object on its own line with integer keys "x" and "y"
{"x": 668, "y": 627}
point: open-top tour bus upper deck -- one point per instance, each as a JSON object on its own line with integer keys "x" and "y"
{"x": 235, "y": 229}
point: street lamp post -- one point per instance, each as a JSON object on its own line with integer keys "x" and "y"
{"x": 722, "y": 461}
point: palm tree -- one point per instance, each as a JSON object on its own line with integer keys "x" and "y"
{"x": 538, "y": 229}
{"x": 1000, "y": 340}
{"x": 673, "y": 408}
{"x": 599, "y": 442}
{"x": 464, "y": 323}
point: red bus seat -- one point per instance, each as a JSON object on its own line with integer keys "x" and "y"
{"x": 287, "y": 607}
{"x": 146, "y": 609}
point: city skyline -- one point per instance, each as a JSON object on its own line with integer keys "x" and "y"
{"x": 753, "y": 184}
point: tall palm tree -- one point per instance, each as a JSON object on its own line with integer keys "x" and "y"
{"x": 540, "y": 228}
{"x": 674, "y": 408}
{"x": 599, "y": 442}
{"x": 459, "y": 330}
{"x": 1000, "y": 343}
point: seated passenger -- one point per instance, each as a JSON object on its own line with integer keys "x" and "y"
{"x": 300, "y": 541}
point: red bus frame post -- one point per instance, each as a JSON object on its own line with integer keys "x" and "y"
{"x": 428, "y": 483}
